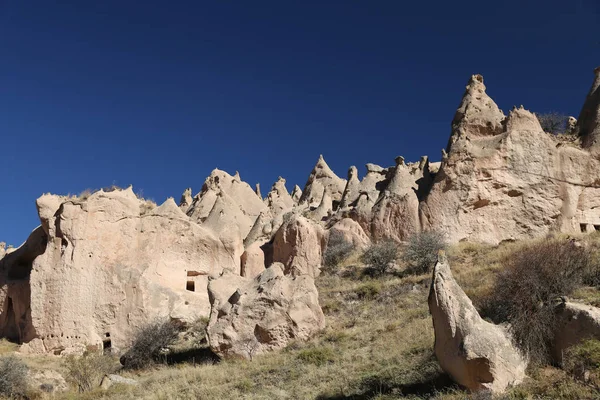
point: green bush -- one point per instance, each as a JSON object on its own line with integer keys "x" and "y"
{"x": 337, "y": 250}
{"x": 13, "y": 377}
{"x": 525, "y": 292}
{"x": 148, "y": 344}
{"x": 422, "y": 251}
{"x": 86, "y": 372}
{"x": 368, "y": 290}
{"x": 380, "y": 256}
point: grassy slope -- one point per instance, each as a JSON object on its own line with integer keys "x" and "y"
{"x": 378, "y": 344}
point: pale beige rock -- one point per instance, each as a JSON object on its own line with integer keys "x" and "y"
{"x": 253, "y": 261}
{"x": 576, "y": 323}
{"x": 240, "y": 192}
{"x": 278, "y": 199}
{"x": 321, "y": 178}
{"x": 112, "y": 379}
{"x": 260, "y": 229}
{"x": 186, "y": 200}
{"x": 323, "y": 210}
{"x": 296, "y": 194}
{"x": 352, "y": 233}
{"x": 229, "y": 223}
{"x": 518, "y": 184}
{"x": 103, "y": 269}
{"x": 298, "y": 246}
{"x": 352, "y": 189}
{"x": 396, "y": 214}
{"x": 265, "y": 314}
{"x": 476, "y": 354}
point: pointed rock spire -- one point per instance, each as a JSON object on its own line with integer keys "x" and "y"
{"x": 296, "y": 194}
{"x": 257, "y": 191}
{"x": 352, "y": 189}
{"x": 321, "y": 178}
{"x": 588, "y": 123}
{"x": 186, "y": 200}
{"x": 477, "y": 114}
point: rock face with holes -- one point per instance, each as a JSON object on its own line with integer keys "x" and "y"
{"x": 97, "y": 269}
{"x": 476, "y": 354}
{"x": 503, "y": 178}
{"x": 264, "y": 314}
{"x": 576, "y": 323}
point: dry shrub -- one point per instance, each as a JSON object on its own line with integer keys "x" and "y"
{"x": 13, "y": 377}
{"x": 525, "y": 291}
{"x": 86, "y": 372}
{"x": 338, "y": 249}
{"x": 150, "y": 343}
{"x": 380, "y": 256}
{"x": 422, "y": 251}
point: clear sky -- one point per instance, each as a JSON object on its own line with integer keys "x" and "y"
{"x": 157, "y": 94}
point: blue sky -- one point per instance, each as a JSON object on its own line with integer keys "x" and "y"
{"x": 157, "y": 94}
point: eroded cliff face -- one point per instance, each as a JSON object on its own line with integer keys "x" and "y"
{"x": 510, "y": 182}
{"x": 99, "y": 268}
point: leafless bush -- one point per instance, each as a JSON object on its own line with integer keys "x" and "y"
{"x": 13, "y": 377}
{"x": 524, "y": 292}
{"x": 86, "y": 372}
{"x": 338, "y": 249}
{"x": 380, "y": 256}
{"x": 422, "y": 250}
{"x": 150, "y": 343}
{"x": 553, "y": 122}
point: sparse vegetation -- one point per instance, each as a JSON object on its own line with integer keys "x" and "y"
{"x": 533, "y": 278}
{"x": 13, "y": 377}
{"x": 86, "y": 372}
{"x": 378, "y": 344}
{"x": 380, "y": 256}
{"x": 553, "y": 122}
{"x": 338, "y": 249}
{"x": 422, "y": 250}
{"x": 583, "y": 362}
{"x": 149, "y": 344}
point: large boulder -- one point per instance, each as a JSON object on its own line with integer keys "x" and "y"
{"x": 265, "y": 314}
{"x": 576, "y": 323}
{"x": 100, "y": 268}
{"x": 476, "y": 354}
{"x": 298, "y": 246}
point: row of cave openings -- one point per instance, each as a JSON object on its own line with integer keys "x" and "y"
{"x": 583, "y": 227}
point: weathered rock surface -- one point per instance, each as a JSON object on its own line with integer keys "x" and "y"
{"x": 320, "y": 179}
{"x": 253, "y": 260}
{"x": 98, "y": 269}
{"x": 298, "y": 246}
{"x": 351, "y": 232}
{"x": 265, "y": 314}
{"x": 112, "y": 379}
{"x": 477, "y": 354}
{"x": 576, "y": 323}
{"x": 510, "y": 181}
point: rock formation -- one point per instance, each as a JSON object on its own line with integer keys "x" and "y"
{"x": 509, "y": 180}
{"x": 264, "y": 314}
{"x": 322, "y": 178}
{"x": 477, "y": 354}
{"x": 97, "y": 269}
{"x": 576, "y": 323}
{"x": 588, "y": 123}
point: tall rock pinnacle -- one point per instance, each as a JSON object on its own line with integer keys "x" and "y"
{"x": 588, "y": 123}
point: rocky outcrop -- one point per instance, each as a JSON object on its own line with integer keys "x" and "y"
{"x": 98, "y": 269}
{"x": 279, "y": 200}
{"x": 575, "y": 324}
{"x": 351, "y": 232}
{"x": 264, "y": 314}
{"x": 510, "y": 181}
{"x": 588, "y": 123}
{"x": 298, "y": 246}
{"x": 253, "y": 260}
{"x": 476, "y": 354}
{"x": 322, "y": 178}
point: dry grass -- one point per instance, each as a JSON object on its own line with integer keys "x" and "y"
{"x": 377, "y": 345}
